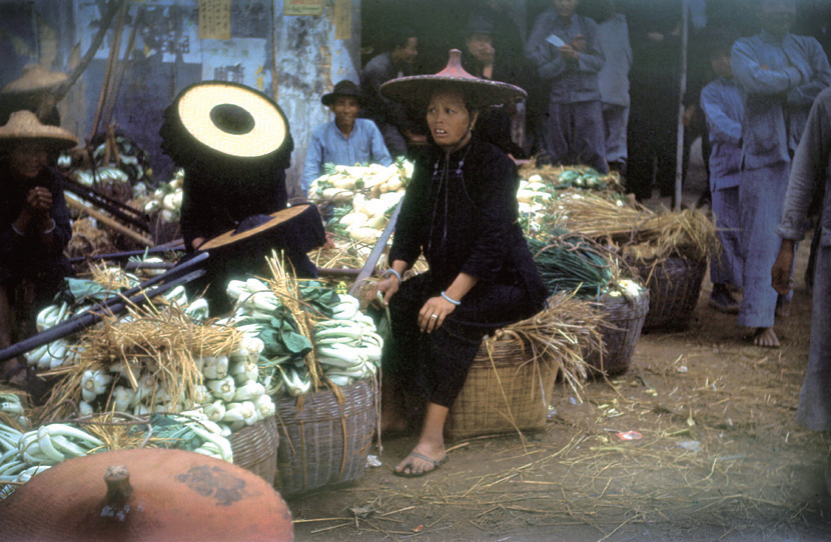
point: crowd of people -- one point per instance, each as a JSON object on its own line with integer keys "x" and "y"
{"x": 595, "y": 83}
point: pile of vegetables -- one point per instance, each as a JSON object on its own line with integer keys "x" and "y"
{"x": 569, "y": 262}
{"x": 166, "y": 200}
{"x": 365, "y": 197}
{"x": 346, "y": 344}
{"x": 80, "y": 295}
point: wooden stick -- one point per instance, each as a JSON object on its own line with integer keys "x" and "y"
{"x": 72, "y": 202}
{"x": 369, "y": 266}
{"x": 120, "y": 69}
{"x": 108, "y": 72}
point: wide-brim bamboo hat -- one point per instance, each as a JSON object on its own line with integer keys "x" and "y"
{"x": 227, "y": 118}
{"x": 417, "y": 89}
{"x": 34, "y": 79}
{"x": 234, "y": 236}
{"x": 25, "y": 126}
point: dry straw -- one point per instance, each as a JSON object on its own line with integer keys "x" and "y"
{"x": 551, "y": 174}
{"x": 160, "y": 341}
{"x": 640, "y": 232}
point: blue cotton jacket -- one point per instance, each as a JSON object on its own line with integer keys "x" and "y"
{"x": 781, "y": 78}
{"x": 723, "y": 104}
{"x": 571, "y": 82}
{"x": 328, "y": 145}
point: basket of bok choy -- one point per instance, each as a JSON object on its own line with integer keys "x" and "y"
{"x": 319, "y": 361}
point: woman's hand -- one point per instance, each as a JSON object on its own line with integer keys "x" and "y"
{"x": 39, "y": 200}
{"x": 781, "y": 271}
{"x": 387, "y": 287}
{"x": 432, "y": 314}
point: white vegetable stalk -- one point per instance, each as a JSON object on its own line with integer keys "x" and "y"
{"x": 215, "y": 368}
{"x": 124, "y": 399}
{"x": 222, "y": 389}
{"x": 94, "y": 383}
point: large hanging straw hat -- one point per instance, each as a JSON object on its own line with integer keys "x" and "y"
{"x": 225, "y": 118}
{"x": 34, "y": 79}
{"x": 25, "y": 126}
{"x": 145, "y": 495}
{"x": 416, "y": 90}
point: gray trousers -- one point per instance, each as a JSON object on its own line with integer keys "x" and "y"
{"x": 615, "y": 120}
{"x": 573, "y": 134}
{"x": 726, "y": 266}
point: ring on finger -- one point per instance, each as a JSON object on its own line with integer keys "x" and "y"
{"x": 433, "y": 316}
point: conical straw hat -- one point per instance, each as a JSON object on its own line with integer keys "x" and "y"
{"x": 34, "y": 79}
{"x": 416, "y": 89}
{"x": 24, "y": 125}
{"x": 231, "y": 237}
{"x": 233, "y": 120}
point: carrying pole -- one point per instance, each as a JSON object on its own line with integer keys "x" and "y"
{"x": 679, "y": 155}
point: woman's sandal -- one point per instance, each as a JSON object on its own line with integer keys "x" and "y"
{"x": 436, "y": 464}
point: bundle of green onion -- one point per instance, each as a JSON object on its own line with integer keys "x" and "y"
{"x": 571, "y": 262}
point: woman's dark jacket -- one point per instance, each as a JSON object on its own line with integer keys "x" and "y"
{"x": 23, "y": 256}
{"x": 468, "y": 221}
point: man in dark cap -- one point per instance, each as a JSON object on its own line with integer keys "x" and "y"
{"x": 347, "y": 140}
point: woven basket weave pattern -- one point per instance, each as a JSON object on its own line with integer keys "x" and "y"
{"x": 255, "y": 448}
{"x": 508, "y": 393}
{"x": 674, "y": 287}
{"x": 624, "y": 320}
{"x": 327, "y": 442}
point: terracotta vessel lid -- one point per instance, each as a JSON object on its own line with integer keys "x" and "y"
{"x": 149, "y": 495}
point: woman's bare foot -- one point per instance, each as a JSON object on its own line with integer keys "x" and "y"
{"x": 766, "y": 337}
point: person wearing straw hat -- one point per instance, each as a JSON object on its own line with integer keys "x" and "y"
{"x": 35, "y": 225}
{"x": 235, "y": 144}
{"x": 345, "y": 141}
{"x": 28, "y": 92}
{"x": 460, "y": 212}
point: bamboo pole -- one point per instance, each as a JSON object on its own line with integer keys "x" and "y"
{"x": 679, "y": 155}
{"x": 72, "y": 202}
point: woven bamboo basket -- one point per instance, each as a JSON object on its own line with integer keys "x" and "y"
{"x": 506, "y": 391}
{"x": 623, "y": 320}
{"x": 327, "y": 442}
{"x": 255, "y": 448}
{"x": 674, "y": 287}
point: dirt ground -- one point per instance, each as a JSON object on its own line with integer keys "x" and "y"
{"x": 720, "y": 458}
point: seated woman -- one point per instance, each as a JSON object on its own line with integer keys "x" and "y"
{"x": 345, "y": 141}
{"x": 460, "y": 211}
{"x": 34, "y": 227}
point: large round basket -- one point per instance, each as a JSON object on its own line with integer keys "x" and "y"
{"x": 327, "y": 442}
{"x": 674, "y": 287}
{"x": 508, "y": 388}
{"x": 255, "y": 448}
{"x": 623, "y": 319}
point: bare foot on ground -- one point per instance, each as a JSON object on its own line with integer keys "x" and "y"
{"x": 766, "y": 337}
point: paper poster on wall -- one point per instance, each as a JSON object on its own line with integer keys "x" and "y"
{"x": 302, "y": 7}
{"x": 343, "y": 19}
{"x": 238, "y": 60}
{"x": 215, "y": 19}
{"x": 167, "y": 28}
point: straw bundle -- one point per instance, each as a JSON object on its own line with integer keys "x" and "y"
{"x": 640, "y": 232}
{"x": 87, "y": 240}
{"x": 163, "y": 343}
{"x": 563, "y": 331}
{"x": 286, "y": 287}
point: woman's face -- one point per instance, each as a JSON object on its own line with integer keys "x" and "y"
{"x": 28, "y": 159}
{"x": 448, "y": 119}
